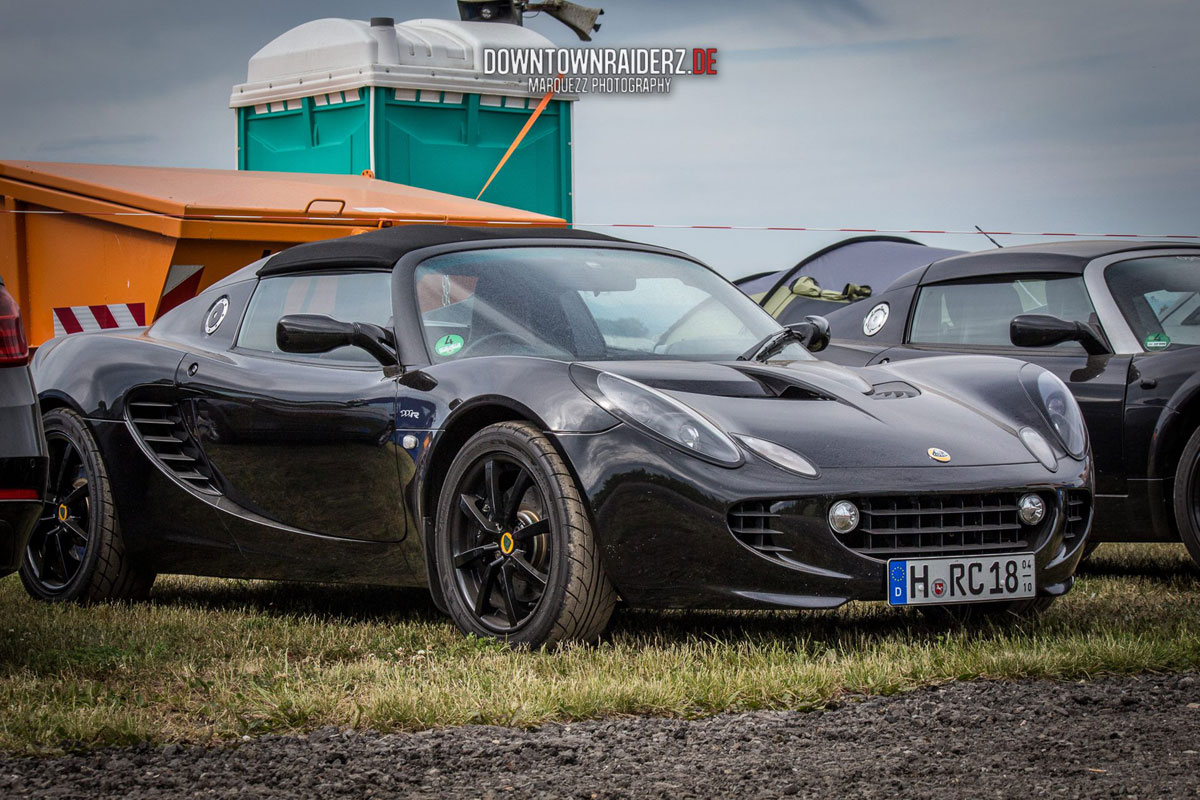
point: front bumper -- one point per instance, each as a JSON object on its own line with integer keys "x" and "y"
{"x": 662, "y": 522}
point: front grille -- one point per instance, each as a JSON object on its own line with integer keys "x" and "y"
{"x": 754, "y": 524}
{"x": 939, "y": 525}
{"x": 160, "y": 428}
{"x": 1079, "y": 513}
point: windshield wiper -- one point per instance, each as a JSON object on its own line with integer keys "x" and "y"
{"x": 770, "y": 345}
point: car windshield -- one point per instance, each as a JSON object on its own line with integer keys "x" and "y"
{"x": 1160, "y": 298}
{"x": 583, "y": 303}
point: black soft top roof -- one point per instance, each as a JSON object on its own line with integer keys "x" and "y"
{"x": 383, "y": 248}
{"x": 1060, "y": 257}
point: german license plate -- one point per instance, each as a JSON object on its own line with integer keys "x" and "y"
{"x": 915, "y": 581}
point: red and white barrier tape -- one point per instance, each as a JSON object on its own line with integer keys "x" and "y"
{"x": 375, "y": 220}
{"x": 85, "y": 319}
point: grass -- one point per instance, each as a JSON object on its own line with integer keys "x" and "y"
{"x": 213, "y": 660}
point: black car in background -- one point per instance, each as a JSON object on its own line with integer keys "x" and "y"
{"x": 534, "y": 422}
{"x": 22, "y": 450}
{"x": 1118, "y": 321}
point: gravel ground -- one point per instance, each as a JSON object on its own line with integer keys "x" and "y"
{"x": 1128, "y": 737}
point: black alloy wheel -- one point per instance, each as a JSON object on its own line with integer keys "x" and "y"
{"x": 501, "y": 543}
{"x": 76, "y": 553}
{"x": 515, "y": 555}
{"x": 58, "y": 544}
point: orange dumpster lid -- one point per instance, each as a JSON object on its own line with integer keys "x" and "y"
{"x": 230, "y": 194}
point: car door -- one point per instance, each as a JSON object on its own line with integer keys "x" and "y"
{"x": 302, "y": 442}
{"x": 973, "y": 316}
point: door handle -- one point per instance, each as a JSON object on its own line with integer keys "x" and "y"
{"x": 193, "y": 369}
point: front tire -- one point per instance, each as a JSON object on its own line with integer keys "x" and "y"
{"x": 76, "y": 553}
{"x": 516, "y": 556}
{"x": 1187, "y": 496}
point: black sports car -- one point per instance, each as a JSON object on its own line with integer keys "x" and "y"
{"x": 22, "y": 447}
{"x": 535, "y": 422}
{"x": 1118, "y": 321}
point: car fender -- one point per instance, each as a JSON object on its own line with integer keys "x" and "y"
{"x": 93, "y": 372}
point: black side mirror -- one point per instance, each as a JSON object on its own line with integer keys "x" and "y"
{"x": 813, "y": 332}
{"x": 1043, "y": 330}
{"x": 317, "y": 333}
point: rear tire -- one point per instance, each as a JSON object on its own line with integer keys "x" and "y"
{"x": 76, "y": 553}
{"x": 516, "y": 557}
{"x": 1187, "y": 496}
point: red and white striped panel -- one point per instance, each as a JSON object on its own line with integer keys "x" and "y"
{"x": 183, "y": 280}
{"x": 85, "y": 319}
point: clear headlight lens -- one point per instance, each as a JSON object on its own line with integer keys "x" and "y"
{"x": 1062, "y": 412}
{"x": 778, "y": 455}
{"x": 667, "y": 418}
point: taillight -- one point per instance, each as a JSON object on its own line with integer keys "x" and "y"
{"x": 13, "y": 350}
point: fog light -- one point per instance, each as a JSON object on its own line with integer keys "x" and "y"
{"x": 843, "y": 516}
{"x": 1031, "y": 509}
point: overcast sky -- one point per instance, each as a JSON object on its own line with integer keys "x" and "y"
{"x": 1072, "y": 115}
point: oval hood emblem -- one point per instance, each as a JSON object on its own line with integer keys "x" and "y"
{"x": 938, "y": 454}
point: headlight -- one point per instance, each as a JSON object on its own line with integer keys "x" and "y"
{"x": 665, "y": 418}
{"x": 778, "y": 455}
{"x": 1061, "y": 411}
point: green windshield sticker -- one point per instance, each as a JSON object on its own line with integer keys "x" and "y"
{"x": 1157, "y": 341}
{"x": 448, "y": 345}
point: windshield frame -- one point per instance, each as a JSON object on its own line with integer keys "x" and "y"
{"x": 410, "y": 332}
{"x": 1120, "y": 333}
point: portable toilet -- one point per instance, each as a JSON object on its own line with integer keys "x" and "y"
{"x": 410, "y": 103}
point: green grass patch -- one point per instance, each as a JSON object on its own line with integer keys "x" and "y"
{"x": 212, "y": 660}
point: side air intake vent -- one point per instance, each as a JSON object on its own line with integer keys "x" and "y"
{"x": 1079, "y": 513}
{"x": 754, "y": 524}
{"x": 160, "y": 428}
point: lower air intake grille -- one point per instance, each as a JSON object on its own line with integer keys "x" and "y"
{"x": 160, "y": 428}
{"x": 1079, "y": 514}
{"x": 754, "y": 524}
{"x": 938, "y": 525}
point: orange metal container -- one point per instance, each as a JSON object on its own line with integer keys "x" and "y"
{"x": 90, "y": 246}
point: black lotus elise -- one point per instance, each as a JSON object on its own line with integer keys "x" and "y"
{"x": 533, "y": 423}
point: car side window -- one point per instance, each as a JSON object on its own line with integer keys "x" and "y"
{"x": 979, "y": 312}
{"x": 344, "y": 296}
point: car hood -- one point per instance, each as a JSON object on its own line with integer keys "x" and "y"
{"x": 838, "y": 416}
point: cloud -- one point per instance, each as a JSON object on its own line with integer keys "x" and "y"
{"x": 1026, "y": 115}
